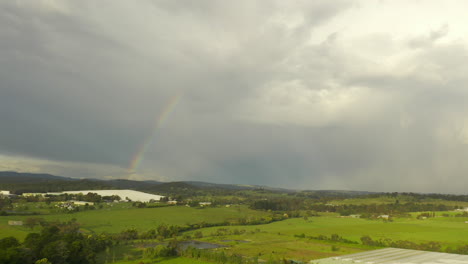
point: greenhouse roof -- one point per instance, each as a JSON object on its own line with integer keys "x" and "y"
{"x": 396, "y": 256}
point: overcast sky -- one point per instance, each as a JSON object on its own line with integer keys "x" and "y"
{"x": 360, "y": 95}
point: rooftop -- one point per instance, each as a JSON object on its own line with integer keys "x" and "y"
{"x": 396, "y": 256}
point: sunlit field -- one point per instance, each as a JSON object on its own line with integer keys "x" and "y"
{"x": 284, "y": 238}
{"x": 122, "y": 216}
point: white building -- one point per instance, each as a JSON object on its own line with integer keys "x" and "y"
{"x": 130, "y": 195}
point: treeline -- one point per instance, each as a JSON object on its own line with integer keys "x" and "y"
{"x": 89, "y": 197}
{"x": 331, "y": 238}
{"x": 387, "y": 242}
{"x": 424, "y": 196}
{"x": 57, "y": 243}
{"x": 367, "y": 210}
{"x": 295, "y": 204}
{"x": 279, "y": 204}
{"x": 427, "y": 246}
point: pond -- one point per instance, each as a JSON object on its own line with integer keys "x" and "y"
{"x": 237, "y": 241}
{"x": 185, "y": 244}
{"x": 199, "y": 244}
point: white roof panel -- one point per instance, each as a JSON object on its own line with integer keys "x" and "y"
{"x": 396, "y": 256}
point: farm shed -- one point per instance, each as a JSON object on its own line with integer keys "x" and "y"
{"x": 396, "y": 256}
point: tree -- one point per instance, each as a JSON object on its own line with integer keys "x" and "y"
{"x": 198, "y": 234}
{"x": 31, "y": 222}
{"x": 367, "y": 240}
{"x": 8, "y": 242}
{"x": 57, "y": 252}
{"x": 43, "y": 261}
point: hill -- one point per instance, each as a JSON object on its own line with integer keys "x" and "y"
{"x": 18, "y": 183}
{"x": 30, "y": 182}
{"x": 21, "y": 177}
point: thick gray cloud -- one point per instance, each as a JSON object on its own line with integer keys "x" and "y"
{"x": 303, "y": 94}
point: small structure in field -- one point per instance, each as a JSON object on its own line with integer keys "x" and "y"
{"x": 65, "y": 205}
{"x": 82, "y": 203}
{"x": 15, "y": 223}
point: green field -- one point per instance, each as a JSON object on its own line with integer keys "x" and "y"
{"x": 283, "y": 239}
{"x": 278, "y": 239}
{"x": 114, "y": 220}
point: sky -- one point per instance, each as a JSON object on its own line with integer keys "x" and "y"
{"x": 325, "y": 94}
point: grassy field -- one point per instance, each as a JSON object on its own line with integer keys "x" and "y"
{"x": 114, "y": 220}
{"x": 275, "y": 240}
{"x": 448, "y": 230}
{"x": 129, "y": 254}
{"x": 278, "y": 239}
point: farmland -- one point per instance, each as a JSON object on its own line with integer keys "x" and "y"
{"x": 290, "y": 238}
{"x": 122, "y": 216}
{"x": 235, "y": 226}
{"x": 285, "y": 238}
{"x": 450, "y": 231}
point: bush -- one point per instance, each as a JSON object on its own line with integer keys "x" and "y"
{"x": 198, "y": 234}
{"x": 160, "y": 251}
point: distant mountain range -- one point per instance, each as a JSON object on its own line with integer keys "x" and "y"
{"x": 22, "y": 177}
{"x": 18, "y": 182}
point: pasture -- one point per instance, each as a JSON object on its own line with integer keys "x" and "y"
{"x": 280, "y": 239}
{"x": 284, "y": 239}
{"x": 123, "y": 216}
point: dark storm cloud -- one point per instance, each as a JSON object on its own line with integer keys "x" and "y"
{"x": 74, "y": 87}
{"x": 272, "y": 93}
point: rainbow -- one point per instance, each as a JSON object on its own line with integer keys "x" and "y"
{"x": 167, "y": 110}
